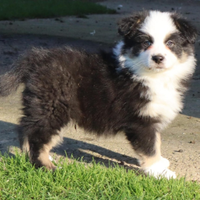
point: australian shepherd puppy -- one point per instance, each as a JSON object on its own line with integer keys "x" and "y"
{"x": 136, "y": 89}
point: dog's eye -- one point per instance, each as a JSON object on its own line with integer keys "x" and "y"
{"x": 147, "y": 43}
{"x": 170, "y": 43}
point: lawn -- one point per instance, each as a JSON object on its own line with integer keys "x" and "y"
{"x": 26, "y": 9}
{"x": 78, "y": 181}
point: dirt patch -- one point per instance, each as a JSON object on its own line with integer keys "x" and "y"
{"x": 180, "y": 141}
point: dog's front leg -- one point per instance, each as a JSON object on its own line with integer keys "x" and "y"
{"x": 148, "y": 149}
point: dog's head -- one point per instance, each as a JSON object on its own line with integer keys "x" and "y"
{"x": 155, "y": 41}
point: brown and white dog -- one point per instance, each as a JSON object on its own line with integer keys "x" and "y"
{"x": 136, "y": 89}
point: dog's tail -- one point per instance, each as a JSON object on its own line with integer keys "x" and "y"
{"x": 9, "y": 82}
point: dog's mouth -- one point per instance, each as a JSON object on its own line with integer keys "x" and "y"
{"x": 160, "y": 67}
{"x": 157, "y": 67}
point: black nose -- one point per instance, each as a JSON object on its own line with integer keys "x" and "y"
{"x": 157, "y": 58}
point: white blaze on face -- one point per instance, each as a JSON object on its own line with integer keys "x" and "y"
{"x": 159, "y": 26}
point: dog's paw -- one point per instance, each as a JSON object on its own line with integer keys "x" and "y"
{"x": 168, "y": 174}
{"x": 160, "y": 169}
{"x": 165, "y": 162}
{"x": 50, "y": 158}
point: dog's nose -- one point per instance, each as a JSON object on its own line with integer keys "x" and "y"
{"x": 158, "y": 58}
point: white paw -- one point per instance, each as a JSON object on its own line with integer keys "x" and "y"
{"x": 165, "y": 162}
{"x": 168, "y": 174}
{"x": 160, "y": 169}
{"x": 50, "y": 158}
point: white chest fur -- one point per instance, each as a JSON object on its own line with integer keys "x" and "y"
{"x": 165, "y": 91}
{"x": 165, "y": 98}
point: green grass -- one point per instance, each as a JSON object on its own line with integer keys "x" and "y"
{"x": 76, "y": 181}
{"x": 23, "y": 9}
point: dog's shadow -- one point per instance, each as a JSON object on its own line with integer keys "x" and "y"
{"x": 8, "y": 137}
{"x": 89, "y": 152}
{"x": 70, "y": 148}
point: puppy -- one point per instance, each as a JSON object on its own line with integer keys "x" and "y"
{"x": 136, "y": 89}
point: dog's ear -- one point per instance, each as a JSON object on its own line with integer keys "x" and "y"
{"x": 128, "y": 25}
{"x": 187, "y": 30}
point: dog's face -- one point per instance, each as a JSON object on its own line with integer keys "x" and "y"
{"x": 155, "y": 41}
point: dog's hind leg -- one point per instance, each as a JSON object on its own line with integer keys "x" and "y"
{"x": 40, "y": 157}
{"x": 149, "y": 153}
{"x": 40, "y": 126}
{"x": 23, "y": 140}
{"x": 38, "y": 139}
